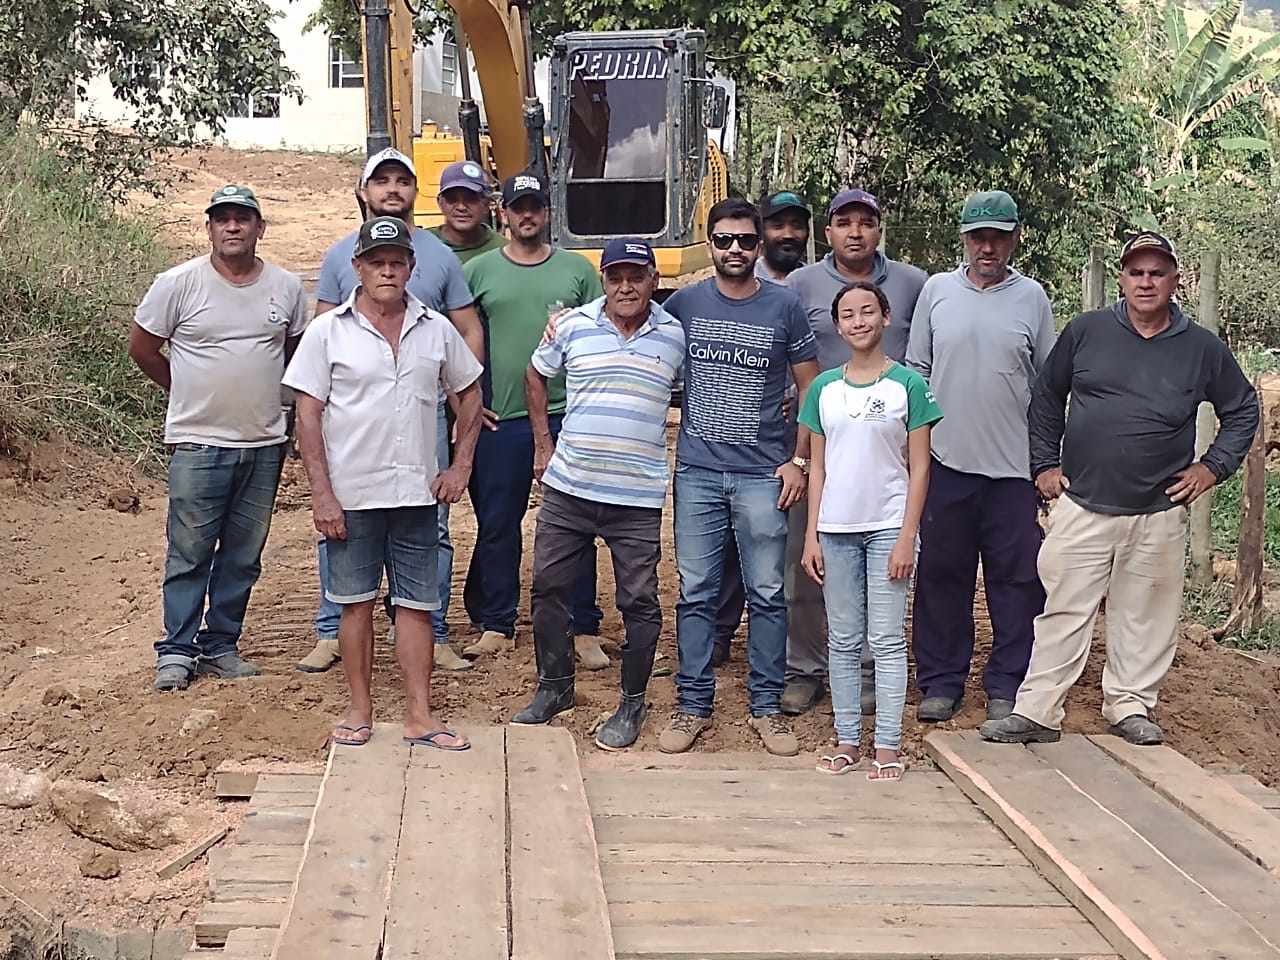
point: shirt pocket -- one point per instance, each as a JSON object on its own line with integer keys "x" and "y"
{"x": 428, "y": 369}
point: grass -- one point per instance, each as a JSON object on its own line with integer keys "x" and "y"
{"x": 71, "y": 271}
{"x": 1228, "y": 508}
{"x": 1212, "y": 607}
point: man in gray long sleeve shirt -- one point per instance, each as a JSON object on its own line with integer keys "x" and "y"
{"x": 853, "y": 230}
{"x": 1125, "y": 458}
{"x": 980, "y": 334}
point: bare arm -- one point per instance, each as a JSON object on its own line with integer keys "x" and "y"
{"x": 811, "y": 559}
{"x": 902, "y": 559}
{"x": 144, "y": 350}
{"x": 794, "y": 482}
{"x": 535, "y": 397}
{"x": 450, "y": 485}
{"x": 326, "y": 512}
{"x": 467, "y": 322}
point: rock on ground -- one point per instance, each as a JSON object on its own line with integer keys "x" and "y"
{"x": 100, "y": 864}
{"x": 110, "y": 818}
{"x": 19, "y": 789}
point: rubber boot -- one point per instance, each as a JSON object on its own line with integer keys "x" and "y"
{"x": 623, "y": 728}
{"x": 552, "y": 698}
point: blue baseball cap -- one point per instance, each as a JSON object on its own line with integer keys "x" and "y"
{"x": 627, "y": 250}
{"x": 846, "y": 197}
{"x": 465, "y": 174}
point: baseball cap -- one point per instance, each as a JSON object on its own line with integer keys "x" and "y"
{"x": 383, "y": 232}
{"x": 626, "y": 250}
{"x": 782, "y": 200}
{"x": 846, "y": 197}
{"x": 465, "y": 174}
{"x": 1148, "y": 240}
{"x": 233, "y": 195}
{"x": 991, "y": 208}
{"x": 526, "y": 184}
{"x": 389, "y": 155}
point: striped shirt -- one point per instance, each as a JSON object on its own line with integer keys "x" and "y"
{"x": 613, "y": 442}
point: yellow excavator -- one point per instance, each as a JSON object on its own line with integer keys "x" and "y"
{"x": 626, "y": 149}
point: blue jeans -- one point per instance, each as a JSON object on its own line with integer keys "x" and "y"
{"x": 707, "y": 504}
{"x": 220, "y": 502}
{"x": 329, "y": 613}
{"x": 500, "y": 487}
{"x": 401, "y": 540}
{"x": 863, "y": 603}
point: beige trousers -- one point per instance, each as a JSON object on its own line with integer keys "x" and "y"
{"x": 1136, "y": 563}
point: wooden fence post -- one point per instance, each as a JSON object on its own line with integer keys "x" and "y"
{"x": 1206, "y": 425}
{"x": 1246, "y": 602}
{"x": 1095, "y": 296}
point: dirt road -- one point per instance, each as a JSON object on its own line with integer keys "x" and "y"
{"x": 82, "y": 588}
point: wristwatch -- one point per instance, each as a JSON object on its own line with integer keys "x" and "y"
{"x": 802, "y": 463}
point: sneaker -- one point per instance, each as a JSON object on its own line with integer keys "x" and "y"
{"x": 801, "y": 695}
{"x": 937, "y": 709}
{"x": 446, "y": 659}
{"x": 490, "y": 642}
{"x": 228, "y": 666}
{"x": 172, "y": 676}
{"x": 998, "y": 708}
{"x": 322, "y": 656}
{"x": 682, "y": 732}
{"x": 775, "y": 733}
{"x": 1018, "y": 729}
{"x": 1139, "y": 730}
{"x": 589, "y": 653}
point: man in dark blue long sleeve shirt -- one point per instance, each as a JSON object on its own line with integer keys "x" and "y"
{"x": 1135, "y": 374}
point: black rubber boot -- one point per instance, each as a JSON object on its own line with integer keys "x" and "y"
{"x": 553, "y": 697}
{"x": 621, "y": 730}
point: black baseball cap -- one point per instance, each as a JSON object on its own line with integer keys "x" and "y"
{"x": 383, "y": 232}
{"x": 627, "y": 250}
{"x": 1148, "y": 240}
{"x": 783, "y": 200}
{"x": 526, "y": 184}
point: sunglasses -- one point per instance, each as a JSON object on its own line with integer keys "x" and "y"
{"x": 746, "y": 241}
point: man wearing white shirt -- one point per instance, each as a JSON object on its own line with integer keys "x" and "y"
{"x": 368, "y": 376}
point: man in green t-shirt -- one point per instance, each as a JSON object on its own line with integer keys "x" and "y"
{"x": 516, "y": 288}
{"x": 464, "y": 202}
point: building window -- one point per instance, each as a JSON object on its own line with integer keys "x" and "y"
{"x": 343, "y": 71}
{"x": 448, "y": 66}
{"x": 259, "y": 105}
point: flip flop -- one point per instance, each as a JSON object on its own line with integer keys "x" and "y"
{"x": 849, "y": 764}
{"x": 429, "y": 740}
{"x": 351, "y": 741}
{"x": 874, "y": 775}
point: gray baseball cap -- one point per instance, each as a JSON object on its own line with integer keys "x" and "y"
{"x": 235, "y": 196}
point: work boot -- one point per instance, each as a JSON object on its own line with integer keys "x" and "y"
{"x": 490, "y": 642}
{"x": 552, "y": 698}
{"x": 1018, "y": 729}
{"x": 623, "y": 728}
{"x": 322, "y": 656}
{"x": 801, "y": 695}
{"x": 446, "y": 659}
{"x": 998, "y": 708}
{"x": 589, "y": 653}
{"x": 775, "y": 733}
{"x": 937, "y": 709}
{"x": 226, "y": 666}
{"x": 172, "y": 676}
{"x": 682, "y": 733}
{"x": 1139, "y": 730}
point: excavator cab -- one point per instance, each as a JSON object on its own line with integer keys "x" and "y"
{"x": 629, "y": 152}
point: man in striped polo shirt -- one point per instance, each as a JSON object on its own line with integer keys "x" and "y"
{"x": 606, "y": 476}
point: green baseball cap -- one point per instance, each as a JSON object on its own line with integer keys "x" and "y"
{"x": 991, "y": 208}
{"x": 236, "y": 195}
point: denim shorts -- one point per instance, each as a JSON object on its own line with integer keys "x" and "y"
{"x": 402, "y": 539}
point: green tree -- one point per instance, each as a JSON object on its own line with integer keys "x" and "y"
{"x": 180, "y": 68}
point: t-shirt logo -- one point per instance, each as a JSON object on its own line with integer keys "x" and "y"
{"x": 384, "y": 231}
{"x": 275, "y": 315}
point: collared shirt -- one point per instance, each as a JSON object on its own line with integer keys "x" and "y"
{"x": 380, "y": 409}
{"x": 612, "y": 445}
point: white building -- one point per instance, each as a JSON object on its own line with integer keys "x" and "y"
{"x": 331, "y": 115}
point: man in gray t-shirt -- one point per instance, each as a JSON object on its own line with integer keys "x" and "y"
{"x": 980, "y": 335}
{"x": 230, "y": 322}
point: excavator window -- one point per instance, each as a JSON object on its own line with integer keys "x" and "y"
{"x": 617, "y": 137}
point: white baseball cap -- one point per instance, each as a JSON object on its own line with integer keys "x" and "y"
{"x": 389, "y": 155}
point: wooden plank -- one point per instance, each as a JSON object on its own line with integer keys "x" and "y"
{"x": 276, "y": 827}
{"x": 1142, "y": 904}
{"x": 175, "y": 866}
{"x": 1242, "y": 885}
{"x": 453, "y": 850}
{"x": 636, "y": 839}
{"x": 234, "y": 784}
{"x": 250, "y": 943}
{"x": 1266, "y": 797}
{"x": 339, "y": 902}
{"x": 217, "y": 920}
{"x": 1219, "y": 806}
{"x": 827, "y": 883}
{"x": 290, "y": 782}
{"x": 228, "y": 890}
{"x": 727, "y": 796}
{"x": 242, "y": 866}
{"x": 732, "y": 760}
{"x": 558, "y": 907}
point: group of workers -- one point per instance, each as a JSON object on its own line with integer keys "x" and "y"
{"x": 847, "y": 428}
